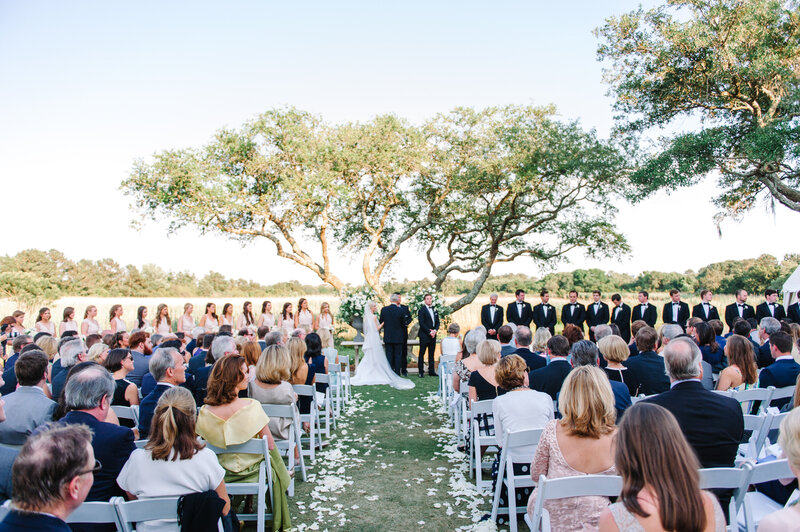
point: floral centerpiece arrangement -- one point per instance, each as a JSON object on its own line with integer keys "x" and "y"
{"x": 416, "y": 297}
{"x": 351, "y": 307}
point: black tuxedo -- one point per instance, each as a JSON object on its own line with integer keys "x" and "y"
{"x": 488, "y": 322}
{"x": 426, "y": 325}
{"x": 622, "y": 319}
{"x": 550, "y": 378}
{"x": 698, "y": 311}
{"x": 683, "y": 314}
{"x": 404, "y": 356}
{"x": 731, "y": 313}
{"x": 513, "y": 316}
{"x": 762, "y": 311}
{"x": 575, "y": 317}
{"x": 649, "y": 370}
{"x": 533, "y": 360}
{"x": 794, "y": 312}
{"x": 394, "y": 334}
{"x": 548, "y": 321}
{"x": 601, "y": 316}
{"x": 648, "y": 315}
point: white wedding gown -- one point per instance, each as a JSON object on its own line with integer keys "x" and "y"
{"x": 374, "y": 367}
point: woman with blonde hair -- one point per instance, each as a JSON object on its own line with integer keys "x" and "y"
{"x": 615, "y": 351}
{"x": 300, "y": 371}
{"x": 251, "y": 352}
{"x": 97, "y": 353}
{"x": 162, "y": 322}
{"x": 328, "y": 350}
{"x": 48, "y": 344}
{"x": 89, "y": 324}
{"x": 272, "y": 386}
{"x": 173, "y": 462}
{"x": 540, "y": 338}
{"x": 68, "y": 322}
{"x": 115, "y": 319}
{"x": 789, "y": 441}
{"x": 186, "y": 322}
{"x": 581, "y": 443}
{"x": 482, "y": 381}
{"x": 324, "y": 321}
{"x": 742, "y": 372}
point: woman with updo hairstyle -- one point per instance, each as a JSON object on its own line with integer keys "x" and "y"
{"x": 68, "y": 322}
{"x": 173, "y": 463}
{"x": 615, "y": 351}
{"x": 120, "y": 362}
{"x": 660, "y": 482}
{"x": 742, "y": 371}
{"x": 272, "y": 386}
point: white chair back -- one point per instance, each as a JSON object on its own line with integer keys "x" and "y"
{"x": 747, "y": 397}
{"x": 511, "y": 454}
{"x": 578, "y": 486}
{"x": 97, "y": 512}
{"x": 127, "y": 412}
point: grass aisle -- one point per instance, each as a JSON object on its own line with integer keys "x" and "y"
{"x": 393, "y": 465}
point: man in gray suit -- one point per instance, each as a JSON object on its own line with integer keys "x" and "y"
{"x": 28, "y": 407}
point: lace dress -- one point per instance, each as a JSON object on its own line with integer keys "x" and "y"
{"x": 627, "y": 521}
{"x": 305, "y": 320}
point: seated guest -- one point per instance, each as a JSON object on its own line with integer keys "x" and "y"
{"x": 302, "y": 372}
{"x": 198, "y": 359}
{"x": 742, "y": 328}
{"x": 789, "y": 441}
{"x": 712, "y": 352}
{"x": 451, "y": 344}
{"x": 315, "y": 358}
{"x": 648, "y": 366}
{"x": 660, "y": 483}
{"x": 482, "y": 382}
{"x": 670, "y": 332}
{"x": 272, "y": 386}
{"x": 93, "y": 339}
{"x": 273, "y": 338}
{"x": 28, "y": 407}
{"x": 328, "y": 350}
{"x": 173, "y": 462}
{"x": 585, "y": 353}
{"x": 523, "y": 340}
{"x": 9, "y": 378}
{"x": 251, "y": 352}
{"x": 636, "y": 326}
{"x": 615, "y": 351}
{"x": 601, "y": 331}
{"x": 784, "y": 371}
{"x": 540, "y": 338}
{"x": 581, "y": 443}
{"x": 120, "y": 362}
{"x": 766, "y": 328}
{"x": 718, "y": 328}
{"x": 49, "y": 346}
{"x": 519, "y": 409}
{"x": 742, "y": 371}
{"x": 52, "y": 476}
{"x": 550, "y": 378}
{"x": 97, "y": 353}
{"x": 227, "y": 419}
{"x": 7, "y": 457}
{"x": 465, "y": 365}
{"x": 572, "y": 333}
{"x": 140, "y": 349}
{"x": 505, "y": 335}
{"x": 221, "y": 346}
{"x": 72, "y": 352}
{"x": 261, "y": 333}
{"x": 169, "y": 369}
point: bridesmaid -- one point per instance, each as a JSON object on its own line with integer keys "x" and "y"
{"x": 286, "y": 319}
{"x": 16, "y": 328}
{"x": 186, "y": 322}
{"x": 162, "y": 322}
{"x": 115, "y": 319}
{"x": 141, "y": 318}
{"x": 325, "y": 319}
{"x": 89, "y": 324}
{"x": 267, "y": 319}
{"x": 68, "y": 322}
{"x": 227, "y": 315}
{"x": 43, "y": 323}
{"x": 304, "y": 319}
{"x": 246, "y": 319}
{"x": 210, "y": 321}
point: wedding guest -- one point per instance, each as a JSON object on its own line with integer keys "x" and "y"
{"x": 539, "y": 345}
{"x": 742, "y": 372}
{"x": 647, "y": 366}
{"x": 660, "y": 483}
{"x": 315, "y": 358}
{"x": 89, "y": 324}
{"x": 789, "y": 442}
{"x": 301, "y": 372}
{"x": 186, "y": 322}
{"x": 572, "y": 333}
{"x": 68, "y": 322}
{"x": 141, "y": 318}
{"x": 162, "y": 322}
{"x": 246, "y": 319}
{"x": 505, "y": 335}
{"x": 120, "y": 362}
{"x": 615, "y": 351}
{"x": 712, "y": 353}
{"x": 272, "y": 386}
{"x": 523, "y": 339}
{"x": 304, "y": 319}
{"x": 168, "y": 368}
{"x": 251, "y": 352}
{"x": 286, "y": 320}
{"x": 464, "y": 366}
{"x": 784, "y": 371}
{"x": 48, "y": 344}
{"x": 550, "y": 378}
{"x": 581, "y": 443}
{"x": 482, "y": 380}
{"x": 115, "y": 319}
{"x": 97, "y": 353}
{"x": 325, "y": 319}
{"x": 43, "y": 323}
{"x": 209, "y": 321}
{"x": 29, "y": 406}
{"x": 173, "y": 462}
{"x": 451, "y": 344}
{"x": 327, "y": 346}
{"x": 266, "y": 319}
{"x": 227, "y": 315}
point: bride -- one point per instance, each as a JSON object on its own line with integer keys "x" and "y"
{"x": 374, "y": 367}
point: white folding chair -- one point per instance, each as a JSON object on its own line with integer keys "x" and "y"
{"x": 757, "y": 505}
{"x": 561, "y": 488}
{"x": 337, "y": 388}
{"x": 747, "y": 397}
{"x": 513, "y": 444}
{"x": 140, "y": 443}
{"x": 127, "y": 412}
{"x": 314, "y": 438}
{"x": 345, "y": 373}
{"x": 326, "y": 406}
{"x": 261, "y": 489}
{"x": 772, "y": 422}
{"x": 479, "y": 410}
{"x": 787, "y": 392}
{"x": 293, "y": 441}
{"x": 462, "y": 414}
{"x": 446, "y": 363}
{"x": 142, "y": 510}
{"x": 734, "y": 478}
{"x": 97, "y": 512}
{"x": 750, "y": 449}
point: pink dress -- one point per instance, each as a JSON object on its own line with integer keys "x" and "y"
{"x": 570, "y": 514}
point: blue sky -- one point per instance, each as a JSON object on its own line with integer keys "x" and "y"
{"x": 87, "y": 87}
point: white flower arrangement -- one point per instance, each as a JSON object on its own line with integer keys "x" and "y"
{"x": 416, "y": 297}
{"x": 352, "y": 303}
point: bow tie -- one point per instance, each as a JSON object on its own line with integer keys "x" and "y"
{"x": 707, "y": 304}
{"x": 773, "y": 304}
{"x": 574, "y": 305}
{"x": 741, "y": 305}
{"x": 676, "y": 304}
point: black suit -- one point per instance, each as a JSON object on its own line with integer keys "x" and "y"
{"x": 699, "y": 311}
{"x": 762, "y": 311}
{"x": 763, "y": 355}
{"x": 794, "y": 312}
{"x": 550, "y": 378}
{"x": 731, "y": 313}
{"x": 533, "y": 361}
{"x": 621, "y": 317}
{"x": 649, "y": 370}
{"x": 426, "y": 342}
{"x": 683, "y": 314}
{"x": 780, "y": 374}
{"x": 649, "y": 315}
{"x": 404, "y": 356}
{"x": 549, "y": 320}
{"x": 575, "y": 317}
{"x": 601, "y": 316}
{"x": 392, "y": 316}
{"x": 488, "y": 322}
{"x": 513, "y": 316}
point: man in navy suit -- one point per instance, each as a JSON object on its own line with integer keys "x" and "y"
{"x": 550, "y": 378}
{"x": 597, "y": 313}
{"x": 621, "y": 317}
{"x": 524, "y": 338}
{"x": 648, "y": 366}
{"x": 783, "y": 372}
{"x": 519, "y": 312}
{"x": 544, "y": 314}
{"x": 770, "y": 308}
{"x": 738, "y": 309}
{"x": 573, "y": 312}
{"x": 675, "y": 311}
{"x": 766, "y": 328}
{"x": 52, "y": 477}
{"x": 492, "y": 317}
{"x": 505, "y": 335}
{"x": 794, "y": 310}
{"x": 644, "y": 311}
{"x": 9, "y": 383}
{"x": 393, "y": 318}
{"x": 705, "y": 310}
{"x": 428, "y": 327}
{"x": 169, "y": 369}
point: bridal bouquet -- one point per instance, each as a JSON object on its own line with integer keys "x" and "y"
{"x": 353, "y": 302}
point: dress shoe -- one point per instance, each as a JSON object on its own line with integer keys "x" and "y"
{"x": 404, "y": 373}
{"x": 421, "y": 375}
{"x": 433, "y": 374}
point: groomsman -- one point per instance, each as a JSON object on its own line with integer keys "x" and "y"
{"x": 739, "y": 309}
{"x": 676, "y": 311}
{"x": 621, "y": 317}
{"x": 705, "y": 310}
{"x": 519, "y": 312}
{"x": 794, "y": 310}
{"x": 407, "y": 320}
{"x": 770, "y": 308}
{"x": 573, "y": 312}
{"x": 492, "y": 317}
{"x": 596, "y": 314}
{"x": 428, "y": 326}
{"x": 544, "y": 314}
{"x": 644, "y": 310}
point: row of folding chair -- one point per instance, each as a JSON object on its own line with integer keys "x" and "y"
{"x": 760, "y": 427}
{"x": 762, "y": 396}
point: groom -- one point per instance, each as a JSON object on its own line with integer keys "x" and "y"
{"x": 395, "y": 326}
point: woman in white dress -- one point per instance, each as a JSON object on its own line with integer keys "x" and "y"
{"x": 246, "y": 319}
{"x": 267, "y": 319}
{"x": 227, "y": 315}
{"x": 141, "y": 318}
{"x": 286, "y": 320}
{"x": 162, "y": 321}
{"x": 374, "y": 367}
{"x": 304, "y": 319}
{"x": 324, "y": 319}
{"x": 115, "y": 319}
{"x": 209, "y": 320}
{"x": 89, "y": 324}
{"x": 68, "y": 322}
{"x": 43, "y": 323}
{"x": 186, "y": 322}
